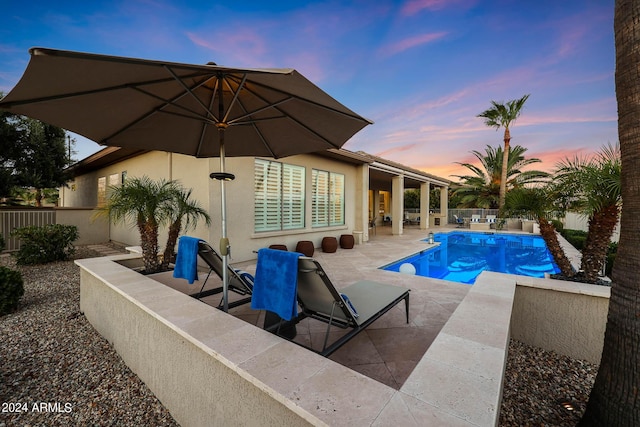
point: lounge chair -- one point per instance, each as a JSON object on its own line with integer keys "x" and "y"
{"x": 491, "y": 220}
{"x": 475, "y": 218}
{"x": 240, "y": 281}
{"x": 459, "y": 221}
{"x": 354, "y": 307}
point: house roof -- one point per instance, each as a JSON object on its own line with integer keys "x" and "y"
{"x": 379, "y": 166}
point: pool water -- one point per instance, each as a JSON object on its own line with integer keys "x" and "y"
{"x": 462, "y": 256}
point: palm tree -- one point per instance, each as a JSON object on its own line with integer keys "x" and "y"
{"x": 183, "y": 211}
{"x": 538, "y": 202}
{"x": 615, "y": 399}
{"x": 482, "y": 188}
{"x": 593, "y": 188}
{"x": 502, "y": 116}
{"x": 147, "y": 203}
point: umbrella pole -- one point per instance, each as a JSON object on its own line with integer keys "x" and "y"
{"x": 225, "y": 248}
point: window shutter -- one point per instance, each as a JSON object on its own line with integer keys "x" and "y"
{"x": 279, "y": 196}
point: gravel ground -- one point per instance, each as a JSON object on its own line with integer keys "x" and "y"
{"x": 50, "y": 354}
{"x": 538, "y": 382}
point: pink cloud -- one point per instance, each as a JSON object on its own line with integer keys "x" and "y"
{"x": 415, "y": 6}
{"x": 244, "y": 45}
{"x": 409, "y": 43}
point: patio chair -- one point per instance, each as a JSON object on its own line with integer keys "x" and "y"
{"x": 475, "y": 218}
{"x": 491, "y": 220}
{"x": 459, "y": 221}
{"x": 355, "y": 307}
{"x": 240, "y": 281}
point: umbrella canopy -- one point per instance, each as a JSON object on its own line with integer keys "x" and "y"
{"x": 182, "y": 108}
{"x": 155, "y": 105}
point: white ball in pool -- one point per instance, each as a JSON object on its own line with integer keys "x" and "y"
{"x": 407, "y": 268}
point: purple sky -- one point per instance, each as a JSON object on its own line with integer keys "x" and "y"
{"x": 420, "y": 69}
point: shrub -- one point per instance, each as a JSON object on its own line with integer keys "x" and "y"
{"x": 576, "y": 237}
{"x": 39, "y": 245}
{"x": 11, "y": 290}
{"x": 558, "y": 225}
{"x": 2, "y": 243}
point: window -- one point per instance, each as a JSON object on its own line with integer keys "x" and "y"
{"x": 279, "y": 196}
{"x": 328, "y": 198}
{"x": 102, "y": 191}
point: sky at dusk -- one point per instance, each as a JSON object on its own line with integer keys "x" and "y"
{"x": 422, "y": 70}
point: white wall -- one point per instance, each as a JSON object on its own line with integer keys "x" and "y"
{"x": 574, "y": 221}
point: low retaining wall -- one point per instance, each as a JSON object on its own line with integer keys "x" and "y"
{"x": 144, "y": 321}
{"x": 568, "y": 318}
{"x": 209, "y": 368}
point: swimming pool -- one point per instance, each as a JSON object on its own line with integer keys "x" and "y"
{"x": 462, "y": 256}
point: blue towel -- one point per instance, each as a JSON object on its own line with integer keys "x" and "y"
{"x": 276, "y": 283}
{"x": 187, "y": 259}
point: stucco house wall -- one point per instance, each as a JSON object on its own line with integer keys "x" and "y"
{"x": 194, "y": 173}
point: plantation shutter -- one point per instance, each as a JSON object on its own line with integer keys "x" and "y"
{"x": 320, "y": 202}
{"x": 292, "y": 197}
{"x": 267, "y": 195}
{"x": 279, "y": 196}
{"x": 337, "y": 199}
{"x": 328, "y": 198}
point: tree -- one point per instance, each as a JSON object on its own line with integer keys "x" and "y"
{"x": 592, "y": 187}
{"x": 147, "y": 203}
{"x": 183, "y": 211}
{"x": 615, "y": 397}
{"x": 502, "y": 116}
{"x": 482, "y": 188}
{"x": 10, "y": 138}
{"x": 538, "y": 202}
{"x": 42, "y": 157}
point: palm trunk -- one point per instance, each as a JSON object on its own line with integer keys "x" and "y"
{"x": 169, "y": 250}
{"x": 615, "y": 398}
{"x": 601, "y": 226}
{"x": 548, "y": 232}
{"x": 505, "y": 166}
{"x": 149, "y": 243}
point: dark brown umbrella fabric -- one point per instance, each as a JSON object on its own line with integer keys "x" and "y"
{"x": 198, "y": 110}
{"x": 127, "y": 102}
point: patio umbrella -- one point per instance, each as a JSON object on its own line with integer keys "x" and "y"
{"x": 199, "y": 110}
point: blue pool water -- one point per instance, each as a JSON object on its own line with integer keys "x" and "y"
{"x": 462, "y": 256}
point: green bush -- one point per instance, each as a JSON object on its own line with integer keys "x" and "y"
{"x": 576, "y": 237}
{"x": 39, "y": 245}
{"x": 2, "y": 243}
{"x": 558, "y": 225}
{"x": 11, "y": 290}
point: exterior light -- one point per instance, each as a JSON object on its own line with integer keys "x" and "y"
{"x": 220, "y": 176}
{"x": 431, "y": 238}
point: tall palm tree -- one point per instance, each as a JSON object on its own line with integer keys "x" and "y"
{"x": 593, "y": 188}
{"x": 502, "y": 115}
{"x": 146, "y": 202}
{"x": 538, "y": 202}
{"x": 615, "y": 397}
{"x": 482, "y": 188}
{"x": 183, "y": 211}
